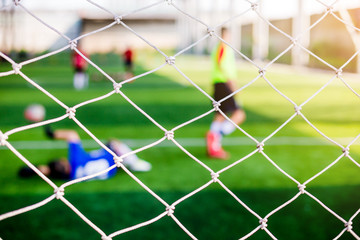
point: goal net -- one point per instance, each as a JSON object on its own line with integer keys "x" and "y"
{"x": 198, "y": 23}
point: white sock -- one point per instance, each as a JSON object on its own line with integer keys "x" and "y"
{"x": 227, "y": 127}
{"x": 86, "y": 80}
{"x": 123, "y": 148}
{"x": 216, "y": 127}
{"x": 78, "y": 81}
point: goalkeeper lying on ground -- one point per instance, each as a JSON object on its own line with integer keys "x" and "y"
{"x": 81, "y": 163}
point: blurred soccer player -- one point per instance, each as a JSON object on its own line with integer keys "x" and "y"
{"x": 81, "y": 79}
{"x": 81, "y": 163}
{"x": 128, "y": 58}
{"x": 223, "y": 75}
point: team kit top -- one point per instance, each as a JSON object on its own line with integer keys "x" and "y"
{"x": 223, "y": 64}
{"x": 87, "y": 163}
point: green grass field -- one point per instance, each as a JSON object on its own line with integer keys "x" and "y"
{"x": 170, "y": 100}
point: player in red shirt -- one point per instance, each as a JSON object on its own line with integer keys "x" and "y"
{"x": 81, "y": 79}
{"x": 128, "y": 57}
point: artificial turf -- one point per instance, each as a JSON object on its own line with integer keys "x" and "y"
{"x": 170, "y": 100}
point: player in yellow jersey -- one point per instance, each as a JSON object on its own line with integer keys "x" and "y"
{"x": 223, "y": 75}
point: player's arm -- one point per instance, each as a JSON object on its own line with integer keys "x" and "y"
{"x": 62, "y": 134}
{"x": 67, "y": 135}
{"x": 232, "y": 85}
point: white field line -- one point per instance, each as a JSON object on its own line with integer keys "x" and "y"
{"x": 185, "y": 142}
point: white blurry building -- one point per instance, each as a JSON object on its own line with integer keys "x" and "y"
{"x": 165, "y": 25}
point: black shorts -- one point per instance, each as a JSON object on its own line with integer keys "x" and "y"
{"x": 128, "y": 65}
{"x": 79, "y": 69}
{"x": 221, "y": 90}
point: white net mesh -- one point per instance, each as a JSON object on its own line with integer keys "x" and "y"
{"x": 211, "y": 32}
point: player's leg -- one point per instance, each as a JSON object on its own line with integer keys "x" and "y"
{"x": 83, "y": 80}
{"x": 77, "y": 80}
{"x": 237, "y": 118}
{"x": 132, "y": 161}
{"x": 80, "y": 80}
{"x": 220, "y": 126}
{"x": 214, "y": 137}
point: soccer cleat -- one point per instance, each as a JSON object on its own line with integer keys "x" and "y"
{"x": 219, "y": 155}
{"x": 213, "y": 145}
{"x": 139, "y": 166}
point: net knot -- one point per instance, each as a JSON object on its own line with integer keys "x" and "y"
{"x": 215, "y": 176}
{"x": 254, "y": 6}
{"x": 170, "y": 60}
{"x": 297, "y": 110}
{"x": 118, "y": 161}
{"x": 71, "y": 112}
{"x": 3, "y": 139}
{"x": 169, "y": 135}
{"x": 301, "y": 188}
{"x": 294, "y": 41}
{"x": 118, "y": 19}
{"x": 263, "y": 223}
{"x": 169, "y": 2}
{"x": 262, "y": 72}
{"x": 117, "y": 87}
{"x": 106, "y": 238}
{"x": 16, "y": 2}
{"x": 211, "y": 31}
{"x": 348, "y": 226}
{"x": 59, "y": 193}
{"x": 346, "y": 151}
{"x": 216, "y": 106}
{"x": 73, "y": 44}
{"x": 330, "y": 9}
{"x": 260, "y": 146}
{"x": 338, "y": 72}
{"x": 16, "y": 68}
{"x": 170, "y": 210}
